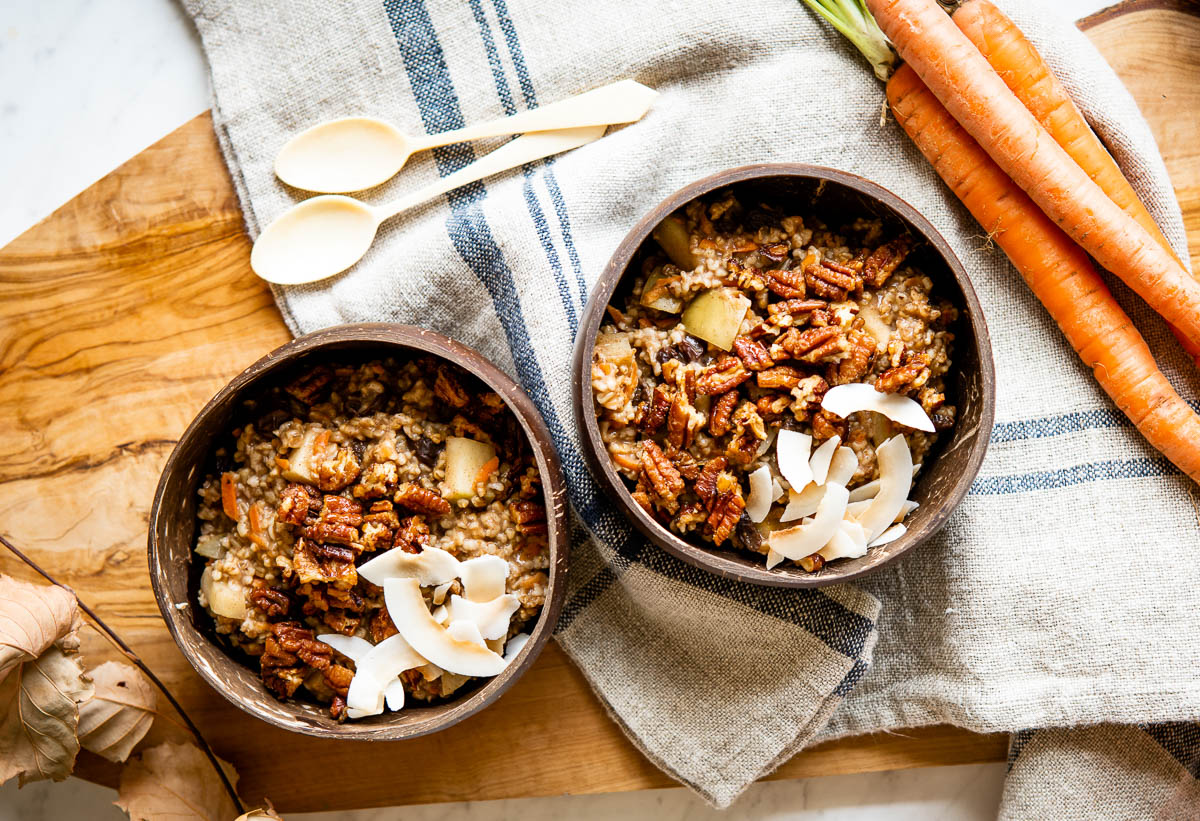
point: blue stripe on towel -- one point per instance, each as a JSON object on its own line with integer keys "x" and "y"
{"x": 424, "y": 61}
{"x": 1077, "y": 475}
{"x": 541, "y": 224}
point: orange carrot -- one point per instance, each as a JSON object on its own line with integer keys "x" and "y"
{"x": 229, "y": 496}
{"x": 487, "y": 469}
{"x": 1027, "y": 76}
{"x": 1057, "y": 271}
{"x": 960, "y": 77}
{"x": 256, "y": 526}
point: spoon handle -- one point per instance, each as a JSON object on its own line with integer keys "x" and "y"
{"x": 524, "y": 149}
{"x": 621, "y": 102}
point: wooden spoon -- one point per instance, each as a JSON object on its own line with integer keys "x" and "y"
{"x": 325, "y": 235}
{"x": 354, "y": 153}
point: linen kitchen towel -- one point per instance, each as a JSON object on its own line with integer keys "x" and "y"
{"x": 1055, "y": 595}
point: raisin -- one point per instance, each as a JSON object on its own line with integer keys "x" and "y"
{"x": 427, "y": 451}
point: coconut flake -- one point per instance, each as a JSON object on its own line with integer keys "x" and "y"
{"x": 431, "y": 566}
{"x": 375, "y": 671}
{"x": 441, "y": 615}
{"x": 849, "y": 542}
{"x": 758, "y": 504}
{"x": 464, "y": 630}
{"x": 352, "y": 647}
{"x": 515, "y": 645}
{"x": 802, "y": 503}
{"x": 895, "y": 480}
{"x": 491, "y": 618}
{"x": 483, "y": 577}
{"x": 773, "y": 558}
{"x": 908, "y": 507}
{"x": 806, "y": 539}
{"x": 414, "y": 621}
{"x": 439, "y": 592}
{"x": 393, "y": 694}
{"x": 792, "y": 450}
{"x": 821, "y": 459}
{"x": 766, "y": 443}
{"x": 890, "y": 535}
{"x": 868, "y": 490}
{"x": 842, "y": 467}
{"x": 844, "y": 400}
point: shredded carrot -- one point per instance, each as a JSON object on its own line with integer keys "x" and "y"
{"x": 1021, "y": 67}
{"x": 1057, "y": 271}
{"x": 959, "y": 76}
{"x": 282, "y": 464}
{"x": 256, "y": 526}
{"x": 229, "y": 496}
{"x": 489, "y": 467}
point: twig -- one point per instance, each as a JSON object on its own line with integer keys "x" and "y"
{"x": 109, "y": 639}
{"x": 141, "y": 665}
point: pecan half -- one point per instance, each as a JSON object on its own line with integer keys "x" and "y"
{"x": 413, "y": 535}
{"x": 781, "y": 376}
{"x": 656, "y": 411}
{"x": 529, "y": 516}
{"x": 788, "y": 284}
{"x": 771, "y": 406}
{"x": 314, "y": 562}
{"x": 858, "y": 359}
{"x": 377, "y": 481}
{"x": 903, "y": 378}
{"x": 684, "y": 462}
{"x": 725, "y": 514}
{"x": 752, "y": 353}
{"x": 382, "y": 512}
{"x": 421, "y": 500}
{"x": 381, "y": 625}
{"x": 295, "y": 503}
{"x": 885, "y": 259}
{"x": 828, "y": 283}
{"x": 724, "y": 375}
{"x": 722, "y": 410}
{"x": 376, "y": 536}
{"x": 706, "y": 482}
{"x": 775, "y": 251}
{"x": 271, "y": 602}
{"x": 338, "y": 521}
{"x": 790, "y": 312}
{"x": 812, "y": 563}
{"x": 682, "y": 422}
{"x": 338, "y": 678}
{"x": 447, "y": 388}
{"x": 308, "y": 387}
{"x": 800, "y": 343}
{"x": 337, "y": 472}
{"x": 661, "y": 475}
{"x": 825, "y": 426}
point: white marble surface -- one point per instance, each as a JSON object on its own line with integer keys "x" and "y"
{"x": 84, "y": 85}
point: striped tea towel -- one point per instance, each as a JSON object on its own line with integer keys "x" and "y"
{"x": 1055, "y": 597}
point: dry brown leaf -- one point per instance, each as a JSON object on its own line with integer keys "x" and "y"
{"x": 39, "y": 711}
{"x": 119, "y": 715}
{"x": 174, "y": 781}
{"x": 32, "y": 617}
{"x": 266, "y": 813}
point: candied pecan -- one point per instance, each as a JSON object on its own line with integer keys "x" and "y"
{"x": 381, "y": 625}
{"x": 825, "y": 426}
{"x": 746, "y": 418}
{"x": 790, "y": 312}
{"x": 799, "y": 343}
{"x": 903, "y": 378}
{"x": 331, "y": 532}
{"x": 529, "y": 516}
{"x": 447, "y": 388}
{"x": 661, "y": 475}
{"x": 323, "y": 563}
{"x": 724, "y": 375}
{"x": 413, "y": 535}
{"x": 272, "y": 602}
{"x": 338, "y": 678}
{"x": 781, "y": 376}
{"x": 689, "y": 384}
{"x": 339, "y": 621}
{"x": 812, "y": 563}
{"x": 337, "y": 709}
{"x": 377, "y": 480}
{"x": 828, "y": 283}
{"x": 338, "y": 521}
{"x": 722, "y": 410}
{"x": 656, "y": 412}
{"x": 706, "y": 482}
{"x": 643, "y": 498}
{"x": 772, "y": 405}
{"x": 349, "y": 599}
{"x": 382, "y": 512}
{"x": 930, "y": 399}
{"x": 682, "y": 422}
{"x": 309, "y": 386}
{"x": 295, "y": 502}
{"x": 531, "y": 485}
{"x": 376, "y": 536}
{"x": 421, "y": 500}
{"x": 788, "y": 284}
{"x": 684, "y": 462}
{"x": 885, "y": 259}
{"x": 337, "y": 472}
{"x": 775, "y": 251}
{"x": 849, "y": 271}
{"x": 282, "y": 681}
{"x": 746, "y": 277}
{"x": 752, "y": 353}
{"x": 726, "y": 511}
{"x": 858, "y": 359}
{"x": 689, "y": 517}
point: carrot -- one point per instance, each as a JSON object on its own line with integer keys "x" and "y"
{"x": 1027, "y": 76}
{"x": 229, "y": 496}
{"x": 256, "y": 526}
{"x": 960, "y": 77}
{"x": 1057, "y": 271}
{"x": 487, "y": 469}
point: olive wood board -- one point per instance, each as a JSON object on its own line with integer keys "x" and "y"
{"x": 129, "y": 307}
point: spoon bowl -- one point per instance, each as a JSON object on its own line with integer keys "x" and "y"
{"x": 314, "y": 239}
{"x": 348, "y": 154}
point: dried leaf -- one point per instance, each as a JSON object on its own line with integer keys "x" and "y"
{"x": 32, "y": 617}
{"x": 266, "y": 813}
{"x": 39, "y": 711}
{"x": 119, "y": 715}
{"x": 174, "y": 781}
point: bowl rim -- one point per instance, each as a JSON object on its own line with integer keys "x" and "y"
{"x": 611, "y": 276}
{"x": 415, "y": 340}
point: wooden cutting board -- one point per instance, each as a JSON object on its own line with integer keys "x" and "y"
{"x": 126, "y": 309}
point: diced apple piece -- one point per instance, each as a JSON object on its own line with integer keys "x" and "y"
{"x": 672, "y": 235}
{"x": 210, "y": 547}
{"x": 662, "y": 301}
{"x": 300, "y": 461}
{"x": 874, "y": 325}
{"x": 716, "y": 316}
{"x": 224, "y": 597}
{"x": 465, "y": 460}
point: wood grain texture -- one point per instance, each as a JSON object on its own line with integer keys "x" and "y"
{"x": 128, "y": 308}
